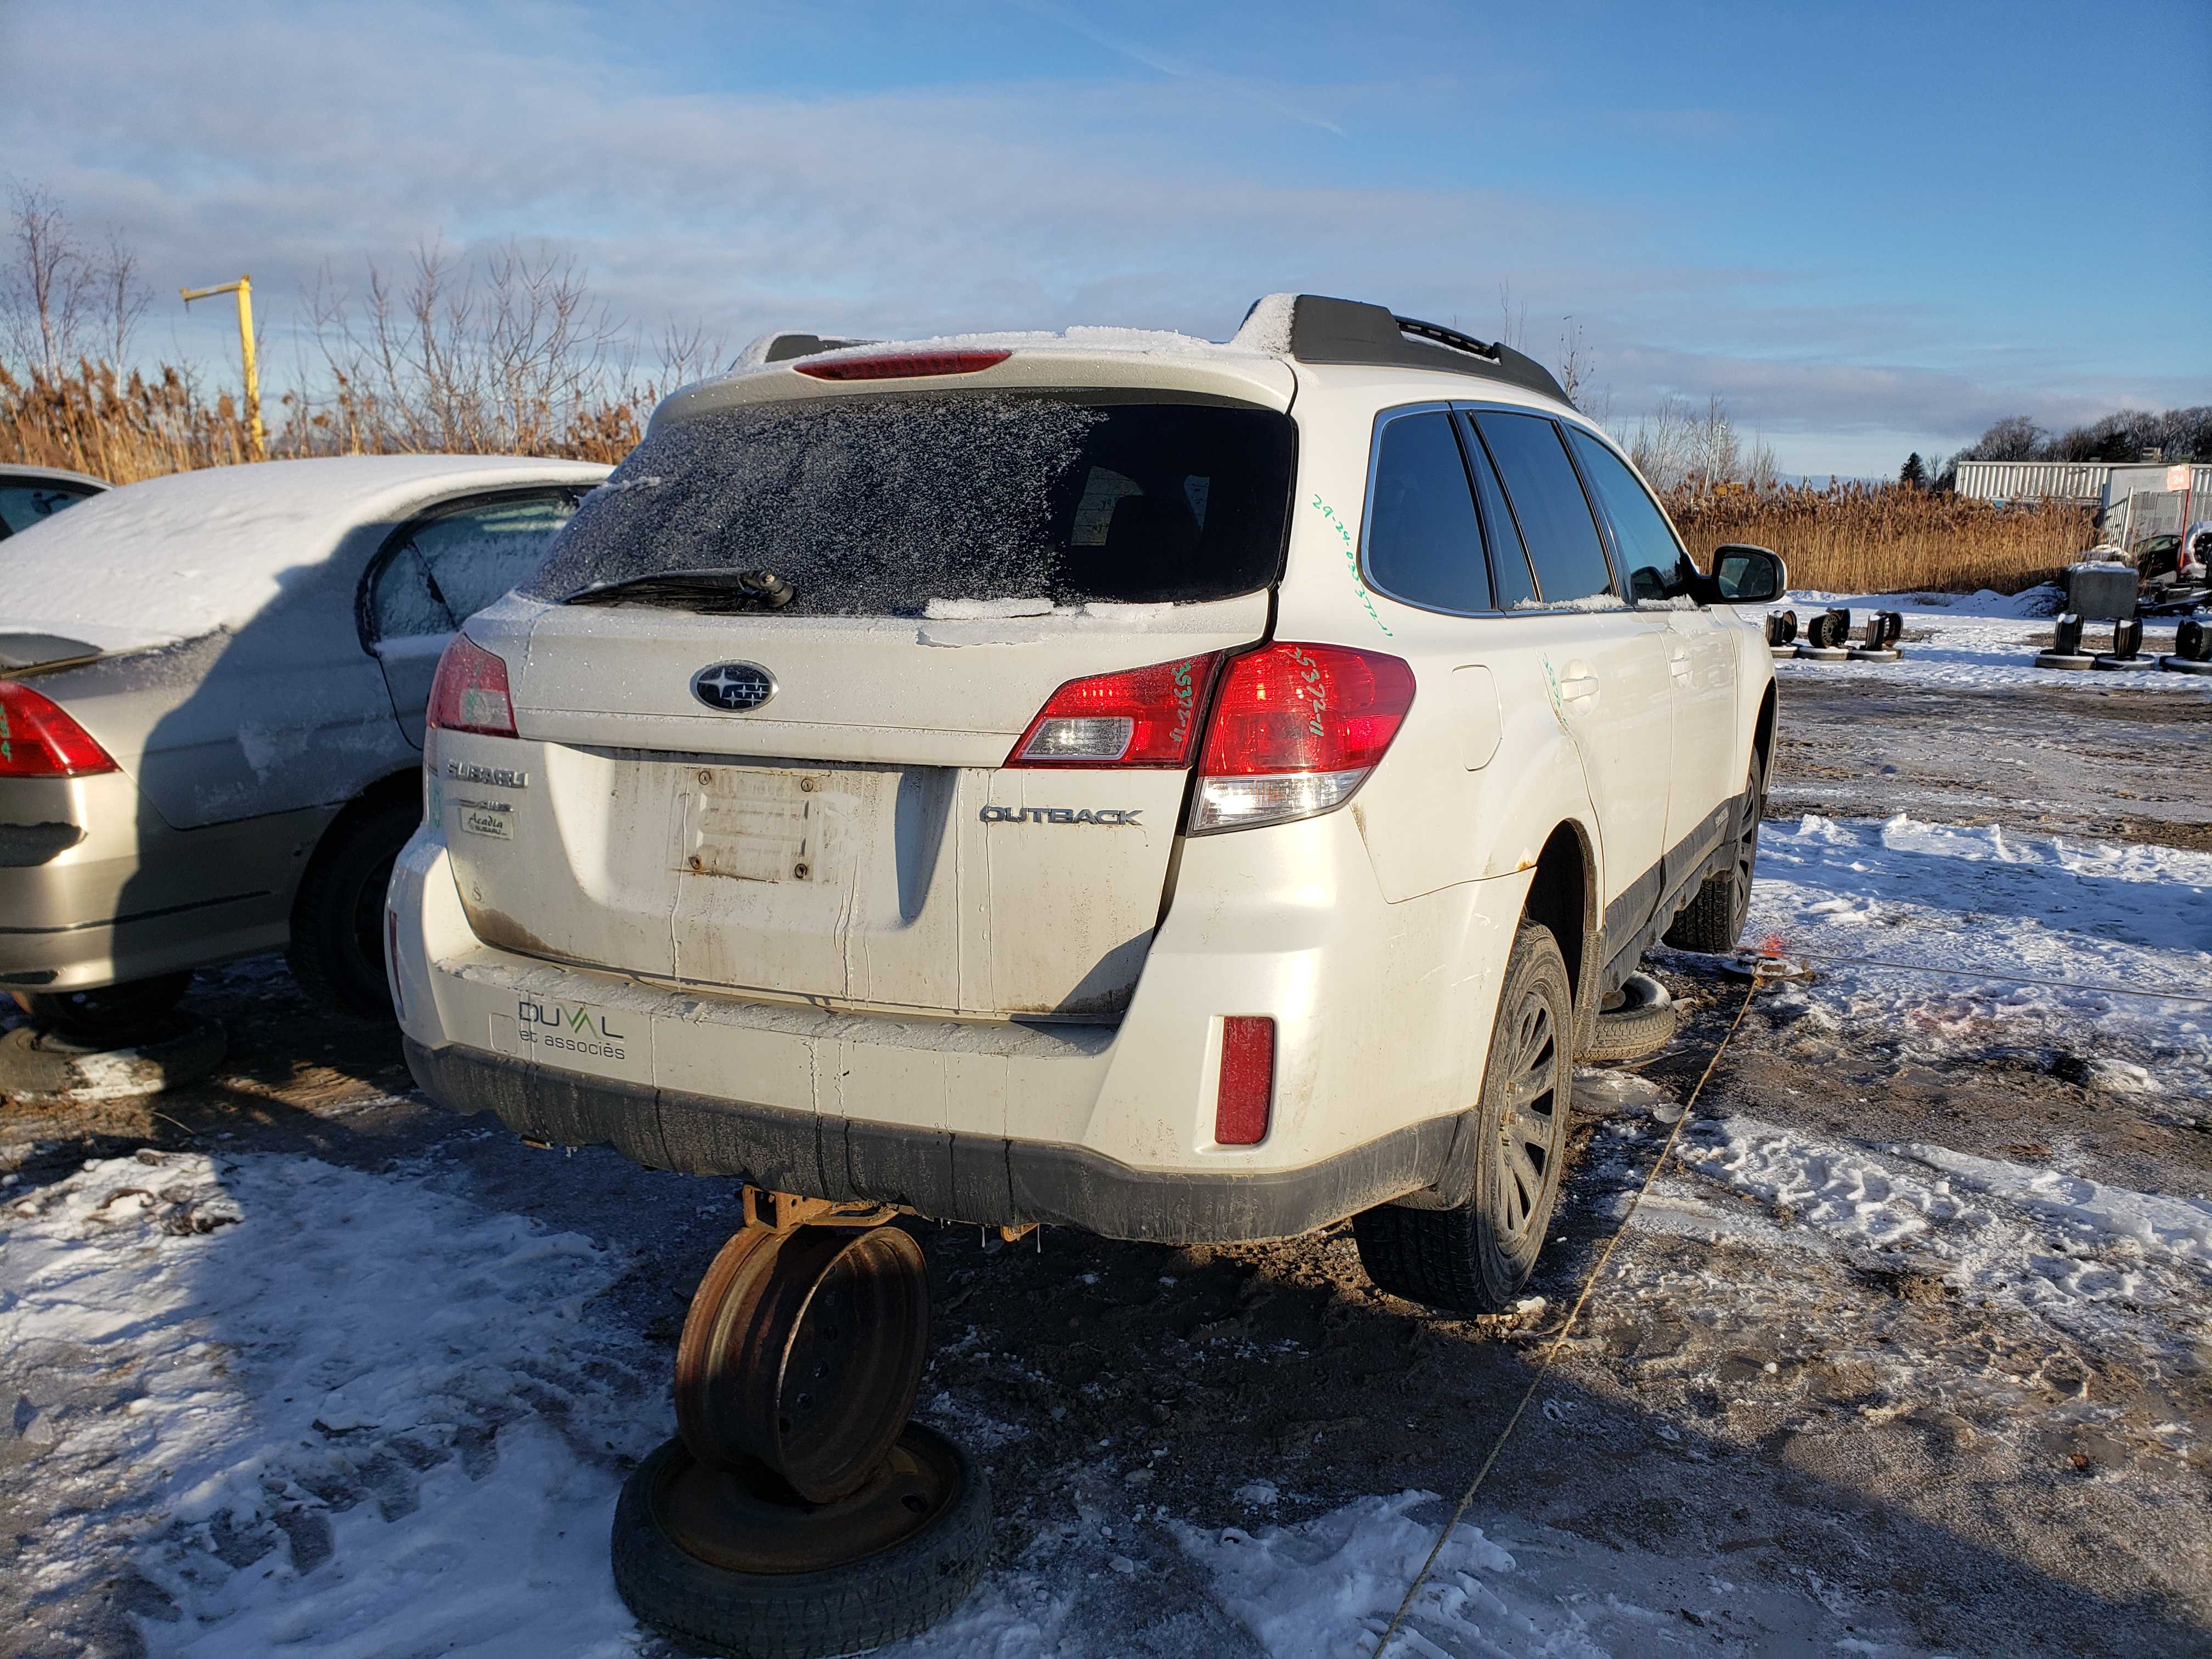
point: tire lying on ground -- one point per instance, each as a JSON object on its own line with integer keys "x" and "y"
{"x": 896, "y": 1591}
{"x": 1642, "y": 1022}
{"x": 112, "y": 1014}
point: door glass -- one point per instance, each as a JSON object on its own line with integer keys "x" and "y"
{"x": 1424, "y": 543}
{"x": 1649, "y": 552}
{"x": 1548, "y": 501}
{"x": 452, "y": 566}
{"x": 1508, "y": 560}
{"x": 22, "y": 505}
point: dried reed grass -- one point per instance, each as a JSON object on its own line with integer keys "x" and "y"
{"x": 1886, "y": 538}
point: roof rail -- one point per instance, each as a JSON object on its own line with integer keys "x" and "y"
{"x": 1326, "y": 330}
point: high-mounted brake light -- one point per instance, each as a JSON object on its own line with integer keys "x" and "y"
{"x": 1140, "y": 717}
{"x": 1295, "y": 730}
{"x": 1247, "y": 1090}
{"x": 38, "y": 739}
{"x": 469, "y": 693}
{"x": 903, "y": 365}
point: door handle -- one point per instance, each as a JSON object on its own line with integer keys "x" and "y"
{"x": 1578, "y": 687}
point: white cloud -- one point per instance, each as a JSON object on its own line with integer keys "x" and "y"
{"x": 279, "y": 138}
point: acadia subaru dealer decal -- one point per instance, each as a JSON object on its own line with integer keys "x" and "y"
{"x": 567, "y": 1027}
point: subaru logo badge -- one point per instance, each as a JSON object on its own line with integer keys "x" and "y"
{"x": 734, "y": 688}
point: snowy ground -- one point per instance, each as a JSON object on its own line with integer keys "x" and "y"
{"x": 1905, "y": 1354}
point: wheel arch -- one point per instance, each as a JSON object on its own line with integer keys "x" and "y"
{"x": 1563, "y": 896}
{"x": 375, "y": 797}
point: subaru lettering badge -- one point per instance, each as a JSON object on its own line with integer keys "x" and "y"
{"x": 734, "y": 688}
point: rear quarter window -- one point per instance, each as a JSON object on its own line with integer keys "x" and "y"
{"x": 1423, "y": 542}
{"x": 878, "y": 505}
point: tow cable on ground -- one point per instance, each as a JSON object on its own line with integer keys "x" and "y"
{"x": 1574, "y": 1313}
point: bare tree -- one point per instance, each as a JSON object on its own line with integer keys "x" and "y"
{"x": 503, "y": 356}
{"x": 46, "y": 283}
{"x": 1577, "y": 363}
{"x": 121, "y": 299}
{"x": 1512, "y": 316}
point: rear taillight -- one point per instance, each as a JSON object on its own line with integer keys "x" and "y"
{"x": 471, "y": 694}
{"x": 903, "y": 365}
{"x": 38, "y": 739}
{"x": 1141, "y": 717}
{"x": 1248, "y": 1080}
{"x": 1295, "y": 729}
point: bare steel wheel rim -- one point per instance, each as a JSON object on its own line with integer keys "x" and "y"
{"x": 802, "y": 1356}
{"x": 1525, "y": 1146}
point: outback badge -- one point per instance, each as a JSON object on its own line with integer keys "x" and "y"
{"x": 733, "y": 688}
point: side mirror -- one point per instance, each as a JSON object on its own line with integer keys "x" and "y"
{"x": 1748, "y": 575}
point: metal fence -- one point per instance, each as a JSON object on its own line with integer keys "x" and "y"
{"x": 2077, "y": 480}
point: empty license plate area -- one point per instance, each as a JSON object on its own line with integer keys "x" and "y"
{"x": 769, "y": 824}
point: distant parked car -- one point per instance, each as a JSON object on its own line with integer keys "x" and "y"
{"x": 211, "y": 722}
{"x": 32, "y": 495}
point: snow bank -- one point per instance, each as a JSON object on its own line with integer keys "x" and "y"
{"x": 2090, "y": 913}
{"x": 173, "y": 558}
{"x": 2016, "y": 1236}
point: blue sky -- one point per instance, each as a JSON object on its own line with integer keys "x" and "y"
{"x": 1869, "y": 228}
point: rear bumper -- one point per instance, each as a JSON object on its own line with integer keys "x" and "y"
{"x": 983, "y": 1179}
{"x": 1382, "y": 1015}
{"x": 95, "y": 890}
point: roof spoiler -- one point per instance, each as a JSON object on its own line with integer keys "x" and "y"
{"x": 1326, "y": 330}
{"x": 21, "y": 652}
{"x": 782, "y": 348}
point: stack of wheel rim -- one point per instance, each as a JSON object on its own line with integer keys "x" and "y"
{"x": 2065, "y": 650}
{"x": 2127, "y": 652}
{"x": 2192, "y": 648}
{"x": 1883, "y": 630}
{"x": 1782, "y": 633}
{"x": 798, "y": 1514}
{"x": 1828, "y": 637}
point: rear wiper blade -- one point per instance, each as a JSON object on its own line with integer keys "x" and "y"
{"x": 712, "y": 590}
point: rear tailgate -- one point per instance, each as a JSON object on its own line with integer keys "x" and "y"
{"x": 855, "y": 835}
{"x": 858, "y": 840}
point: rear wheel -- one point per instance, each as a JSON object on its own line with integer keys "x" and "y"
{"x": 1713, "y": 921}
{"x": 111, "y": 1014}
{"x": 1474, "y": 1259}
{"x": 337, "y": 950}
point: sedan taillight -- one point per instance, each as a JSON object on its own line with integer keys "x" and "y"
{"x": 469, "y": 693}
{"x": 38, "y": 738}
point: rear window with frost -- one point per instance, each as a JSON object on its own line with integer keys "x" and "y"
{"x": 876, "y": 506}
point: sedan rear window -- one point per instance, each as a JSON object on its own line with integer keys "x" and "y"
{"x": 879, "y": 505}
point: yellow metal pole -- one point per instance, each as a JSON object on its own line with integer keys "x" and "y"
{"x": 244, "y": 288}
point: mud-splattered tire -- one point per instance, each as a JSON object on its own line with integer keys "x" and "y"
{"x": 1474, "y": 1259}
{"x": 898, "y": 1592}
{"x": 1643, "y": 1024}
{"x": 337, "y": 950}
{"x": 1712, "y": 922}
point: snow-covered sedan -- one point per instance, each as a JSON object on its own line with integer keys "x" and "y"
{"x": 211, "y": 697}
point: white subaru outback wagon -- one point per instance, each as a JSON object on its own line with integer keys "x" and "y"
{"x": 1183, "y": 790}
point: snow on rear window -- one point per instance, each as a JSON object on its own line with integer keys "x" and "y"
{"x": 880, "y": 506}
